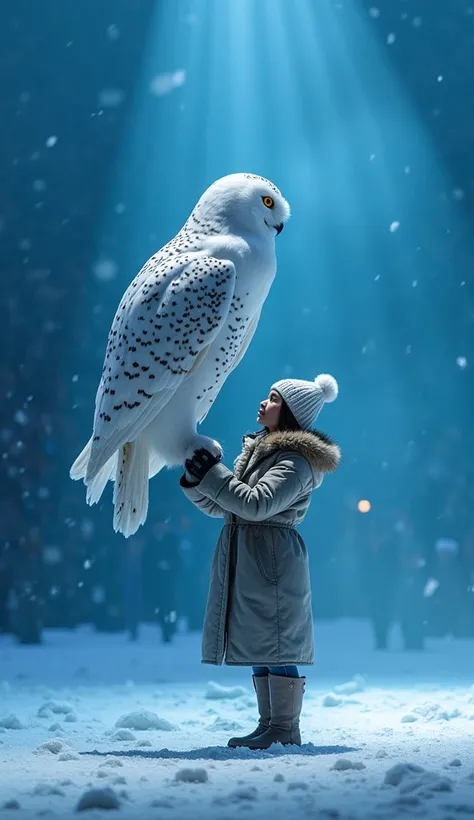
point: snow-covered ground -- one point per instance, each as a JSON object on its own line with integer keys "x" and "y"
{"x": 394, "y": 742}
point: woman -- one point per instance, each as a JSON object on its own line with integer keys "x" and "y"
{"x": 259, "y": 605}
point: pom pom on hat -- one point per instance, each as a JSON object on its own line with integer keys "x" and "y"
{"x": 328, "y": 385}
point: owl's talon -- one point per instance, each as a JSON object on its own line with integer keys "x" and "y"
{"x": 204, "y": 443}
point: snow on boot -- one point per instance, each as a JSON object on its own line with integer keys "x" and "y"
{"x": 286, "y": 701}
{"x": 260, "y": 683}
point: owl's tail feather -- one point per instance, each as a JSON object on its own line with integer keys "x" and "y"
{"x": 96, "y": 487}
{"x": 131, "y": 487}
{"x": 78, "y": 469}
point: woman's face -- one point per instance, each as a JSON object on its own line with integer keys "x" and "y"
{"x": 269, "y": 412}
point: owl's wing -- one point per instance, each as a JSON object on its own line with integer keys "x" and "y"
{"x": 210, "y": 396}
{"x": 162, "y": 329}
{"x": 247, "y": 339}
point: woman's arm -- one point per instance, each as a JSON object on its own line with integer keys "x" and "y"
{"x": 199, "y": 500}
{"x": 273, "y": 493}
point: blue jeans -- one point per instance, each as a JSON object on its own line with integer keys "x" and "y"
{"x": 283, "y": 671}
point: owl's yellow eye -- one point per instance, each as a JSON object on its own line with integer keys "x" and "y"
{"x": 268, "y": 201}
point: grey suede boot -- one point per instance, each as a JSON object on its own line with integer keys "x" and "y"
{"x": 286, "y": 701}
{"x": 260, "y": 683}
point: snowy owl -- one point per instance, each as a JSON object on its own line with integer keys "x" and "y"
{"x": 183, "y": 325}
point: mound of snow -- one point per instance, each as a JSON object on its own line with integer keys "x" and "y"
{"x": 297, "y": 785}
{"x": 426, "y": 783}
{"x": 68, "y": 754}
{"x": 162, "y": 803}
{"x": 244, "y": 793}
{"x": 357, "y": 684}
{"x": 46, "y": 789}
{"x": 144, "y": 742}
{"x": 56, "y": 727}
{"x": 433, "y": 711}
{"x": 399, "y": 772}
{"x": 408, "y": 718}
{"x": 215, "y": 691}
{"x": 141, "y": 721}
{"x": 11, "y": 804}
{"x": 331, "y": 700}
{"x": 54, "y": 746}
{"x": 98, "y": 799}
{"x": 11, "y": 722}
{"x": 123, "y": 735}
{"x": 56, "y": 707}
{"x": 191, "y": 776}
{"x": 345, "y": 765}
{"x": 223, "y": 725}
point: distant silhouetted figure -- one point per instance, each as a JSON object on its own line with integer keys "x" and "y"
{"x": 379, "y": 576}
{"x": 446, "y": 606}
{"x": 162, "y": 571}
{"x": 195, "y": 575}
{"x": 411, "y": 599}
{"x": 5, "y": 584}
{"x": 133, "y": 586}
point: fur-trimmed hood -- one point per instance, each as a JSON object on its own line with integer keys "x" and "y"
{"x": 318, "y": 449}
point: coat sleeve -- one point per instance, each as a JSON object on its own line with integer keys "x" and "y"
{"x": 201, "y": 501}
{"x": 272, "y": 494}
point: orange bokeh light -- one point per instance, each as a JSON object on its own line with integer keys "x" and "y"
{"x": 364, "y": 506}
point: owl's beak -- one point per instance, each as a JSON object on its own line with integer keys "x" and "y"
{"x": 279, "y": 228}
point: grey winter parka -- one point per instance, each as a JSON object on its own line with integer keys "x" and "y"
{"x": 259, "y": 604}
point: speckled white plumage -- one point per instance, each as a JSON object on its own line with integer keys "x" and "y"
{"x": 182, "y": 325}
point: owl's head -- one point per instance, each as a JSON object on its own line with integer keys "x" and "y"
{"x": 245, "y": 203}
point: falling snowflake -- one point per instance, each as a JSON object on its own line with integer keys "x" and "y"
{"x": 461, "y": 362}
{"x": 414, "y": 284}
{"x": 440, "y": 78}
{"x": 113, "y": 32}
{"x": 458, "y": 194}
{"x": 417, "y": 22}
{"x": 391, "y": 38}
{"x": 21, "y": 418}
{"x": 105, "y": 270}
{"x": 51, "y": 141}
{"x": 407, "y": 169}
{"x": 111, "y": 97}
{"x": 39, "y": 185}
{"x": 165, "y": 83}
{"x": 374, "y": 12}
{"x": 394, "y": 227}
{"x": 120, "y": 208}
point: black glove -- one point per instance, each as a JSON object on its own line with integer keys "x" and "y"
{"x": 201, "y": 463}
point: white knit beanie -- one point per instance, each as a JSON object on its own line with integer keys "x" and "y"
{"x": 305, "y": 399}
